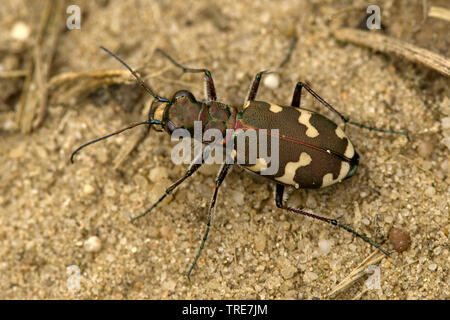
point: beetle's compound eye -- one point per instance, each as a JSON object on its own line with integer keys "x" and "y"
{"x": 182, "y": 94}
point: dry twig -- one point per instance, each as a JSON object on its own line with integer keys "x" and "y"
{"x": 383, "y": 43}
{"x": 357, "y": 273}
{"x": 33, "y": 102}
{"x": 439, "y": 13}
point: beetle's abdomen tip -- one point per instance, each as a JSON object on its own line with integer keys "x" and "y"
{"x": 353, "y": 165}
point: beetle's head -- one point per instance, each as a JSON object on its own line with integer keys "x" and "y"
{"x": 180, "y": 112}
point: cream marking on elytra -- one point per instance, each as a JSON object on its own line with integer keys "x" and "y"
{"x": 261, "y": 164}
{"x": 275, "y": 108}
{"x": 349, "y": 150}
{"x": 340, "y": 133}
{"x": 246, "y": 104}
{"x": 304, "y": 119}
{"x": 291, "y": 167}
{"x": 328, "y": 178}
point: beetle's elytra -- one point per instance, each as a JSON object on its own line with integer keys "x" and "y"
{"x": 314, "y": 152}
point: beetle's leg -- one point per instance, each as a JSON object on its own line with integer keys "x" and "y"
{"x": 219, "y": 179}
{"x": 296, "y": 103}
{"x": 296, "y": 98}
{"x": 279, "y": 203}
{"x": 198, "y": 161}
{"x": 253, "y": 90}
{"x": 210, "y": 91}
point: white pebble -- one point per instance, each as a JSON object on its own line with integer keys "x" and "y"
{"x": 272, "y": 81}
{"x": 445, "y": 123}
{"x": 88, "y": 189}
{"x": 9, "y": 125}
{"x": 20, "y": 31}
{"x": 93, "y": 244}
{"x": 432, "y": 267}
{"x": 325, "y": 246}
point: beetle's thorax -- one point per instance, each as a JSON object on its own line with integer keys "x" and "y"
{"x": 217, "y": 115}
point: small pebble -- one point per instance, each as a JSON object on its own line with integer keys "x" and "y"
{"x": 93, "y": 244}
{"x": 430, "y": 191}
{"x": 445, "y": 123}
{"x": 446, "y": 142}
{"x": 260, "y": 242}
{"x": 309, "y": 277}
{"x": 209, "y": 169}
{"x": 325, "y": 246}
{"x": 238, "y": 198}
{"x": 288, "y": 271}
{"x": 311, "y": 201}
{"x": 399, "y": 239}
{"x": 88, "y": 189}
{"x": 169, "y": 285}
{"x": 20, "y": 31}
{"x": 166, "y": 232}
{"x": 9, "y": 125}
{"x": 432, "y": 267}
{"x": 140, "y": 181}
{"x": 425, "y": 148}
{"x": 272, "y": 81}
{"x": 18, "y": 152}
{"x": 158, "y": 173}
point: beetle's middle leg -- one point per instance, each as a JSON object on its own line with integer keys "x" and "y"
{"x": 210, "y": 90}
{"x": 220, "y": 177}
{"x": 253, "y": 90}
{"x": 279, "y": 191}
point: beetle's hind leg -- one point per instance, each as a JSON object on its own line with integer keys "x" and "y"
{"x": 220, "y": 177}
{"x": 210, "y": 90}
{"x": 279, "y": 191}
{"x": 296, "y": 100}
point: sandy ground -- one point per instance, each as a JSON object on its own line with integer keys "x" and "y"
{"x": 54, "y": 215}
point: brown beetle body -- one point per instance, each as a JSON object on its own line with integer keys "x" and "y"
{"x": 313, "y": 152}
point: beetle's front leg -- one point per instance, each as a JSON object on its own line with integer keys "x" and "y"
{"x": 220, "y": 177}
{"x": 193, "y": 167}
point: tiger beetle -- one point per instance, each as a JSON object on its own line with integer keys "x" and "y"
{"x": 314, "y": 152}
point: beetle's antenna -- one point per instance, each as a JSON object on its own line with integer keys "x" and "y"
{"x": 149, "y": 122}
{"x": 138, "y": 79}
